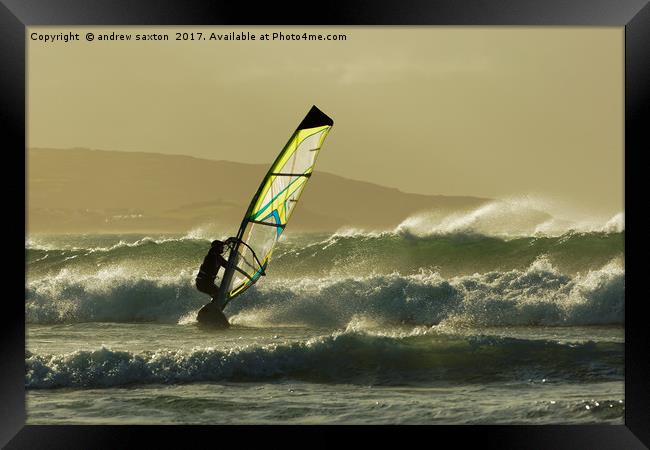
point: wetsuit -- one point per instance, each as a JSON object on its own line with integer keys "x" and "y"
{"x": 205, "y": 282}
{"x": 208, "y": 272}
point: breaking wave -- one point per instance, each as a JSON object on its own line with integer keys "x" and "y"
{"x": 340, "y": 357}
{"x": 505, "y": 219}
{"x": 342, "y": 253}
{"x": 539, "y": 294}
{"x": 504, "y": 263}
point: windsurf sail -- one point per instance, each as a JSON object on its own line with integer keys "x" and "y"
{"x": 273, "y": 204}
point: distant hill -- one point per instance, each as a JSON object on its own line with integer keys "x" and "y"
{"x": 81, "y": 190}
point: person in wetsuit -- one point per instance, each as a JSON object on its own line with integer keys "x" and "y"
{"x": 211, "y": 314}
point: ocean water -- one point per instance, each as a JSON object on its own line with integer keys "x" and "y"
{"x": 446, "y": 324}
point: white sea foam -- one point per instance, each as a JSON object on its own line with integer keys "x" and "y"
{"x": 539, "y": 294}
{"x": 206, "y": 232}
{"x": 111, "y": 294}
{"x": 506, "y": 219}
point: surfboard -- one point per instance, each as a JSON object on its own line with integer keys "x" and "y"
{"x": 272, "y": 206}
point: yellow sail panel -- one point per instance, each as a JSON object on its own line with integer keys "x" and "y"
{"x": 297, "y": 158}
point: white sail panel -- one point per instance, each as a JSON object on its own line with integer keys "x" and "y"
{"x": 275, "y": 201}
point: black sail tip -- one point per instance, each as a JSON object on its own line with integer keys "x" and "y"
{"x": 315, "y": 118}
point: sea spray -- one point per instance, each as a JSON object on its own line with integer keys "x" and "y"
{"x": 111, "y": 294}
{"x": 511, "y": 218}
{"x": 341, "y": 254}
{"x": 540, "y": 294}
{"x": 478, "y": 267}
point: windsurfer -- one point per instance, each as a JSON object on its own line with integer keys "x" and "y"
{"x": 211, "y": 313}
{"x": 264, "y": 220}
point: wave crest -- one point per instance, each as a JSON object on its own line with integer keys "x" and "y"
{"x": 537, "y": 295}
{"x": 504, "y": 219}
{"x": 340, "y": 357}
{"x": 110, "y": 295}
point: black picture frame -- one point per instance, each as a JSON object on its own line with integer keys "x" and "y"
{"x": 634, "y": 15}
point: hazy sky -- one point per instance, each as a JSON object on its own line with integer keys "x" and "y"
{"x": 495, "y": 112}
